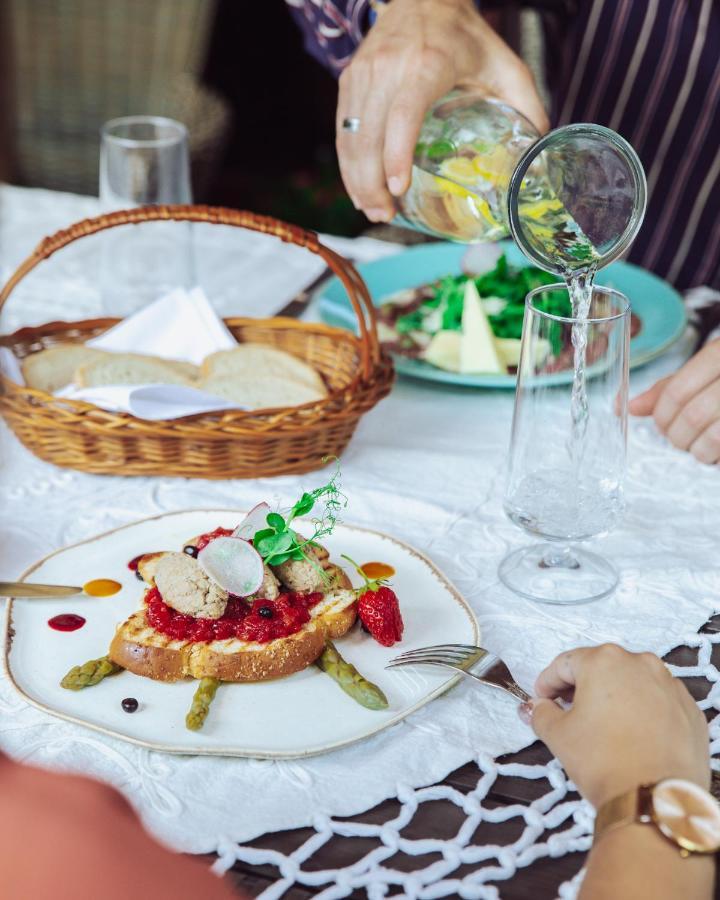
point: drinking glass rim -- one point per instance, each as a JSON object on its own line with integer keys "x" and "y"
{"x": 181, "y": 131}
{"x": 595, "y": 320}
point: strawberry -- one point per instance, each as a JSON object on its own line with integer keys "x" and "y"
{"x": 379, "y": 612}
{"x": 378, "y": 609}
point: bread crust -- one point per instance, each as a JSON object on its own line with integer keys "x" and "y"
{"x": 54, "y": 368}
{"x": 340, "y": 623}
{"x": 147, "y": 565}
{"x": 247, "y": 359}
{"x": 164, "y": 371}
{"x": 152, "y": 659}
{"x": 140, "y": 649}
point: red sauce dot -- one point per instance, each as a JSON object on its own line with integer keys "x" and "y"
{"x": 66, "y": 622}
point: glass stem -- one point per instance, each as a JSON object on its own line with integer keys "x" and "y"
{"x": 559, "y": 558}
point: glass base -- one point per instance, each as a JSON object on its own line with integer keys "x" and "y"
{"x": 551, "y": 573}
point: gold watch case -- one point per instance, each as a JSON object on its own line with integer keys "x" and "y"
{"x": 685, "y": 814}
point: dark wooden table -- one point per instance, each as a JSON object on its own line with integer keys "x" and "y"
{"x": 441, "y": 819}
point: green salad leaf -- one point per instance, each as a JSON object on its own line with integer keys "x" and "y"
{"x": 509, "y": 283}
{"x": 410, "y": 321}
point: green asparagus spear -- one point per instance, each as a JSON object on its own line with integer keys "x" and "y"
{"x": 350, "y": 680}
{"x": 89, "y": 673}
{"x": 195, "y": 719}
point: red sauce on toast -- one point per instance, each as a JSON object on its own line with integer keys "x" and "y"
{"x": 260, "y": 621}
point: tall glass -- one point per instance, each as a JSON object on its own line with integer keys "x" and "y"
{"x": 144, "y": 160}
{"x": 567, "y": 450}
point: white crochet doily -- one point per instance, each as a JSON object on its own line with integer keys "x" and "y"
{"x": 426, "y": 465}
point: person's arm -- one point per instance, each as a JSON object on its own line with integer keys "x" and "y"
{"x": 417, "y": 51}
{"x": 67, "y": 836}
{"x": 636, "y": 863}
{"x": 630, "y": 723}
{"x": 332, "y": 32}
{"x": 392, "y": 72}
{"x": 686, "y": 405}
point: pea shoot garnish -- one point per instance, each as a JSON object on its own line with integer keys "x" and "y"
{"x": 279, "y": 542}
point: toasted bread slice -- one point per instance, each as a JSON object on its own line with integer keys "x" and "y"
{"x": 54, "y": 368}
{"x": 250, "y": 360}
{"x": 133, "y": 368}
{"x": 141, "y": 649}
{"x": 260, "y": 391}
{"x": 147, "y": 565}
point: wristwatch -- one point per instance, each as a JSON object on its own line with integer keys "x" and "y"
{"x": 684, "y": 813}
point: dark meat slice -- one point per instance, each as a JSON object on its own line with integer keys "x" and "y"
{"x": 389, "y": 312}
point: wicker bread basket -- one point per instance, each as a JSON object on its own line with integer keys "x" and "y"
{"x": 233, "y": 444}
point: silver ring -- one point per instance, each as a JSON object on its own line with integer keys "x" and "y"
{"x": 351, "y": 124}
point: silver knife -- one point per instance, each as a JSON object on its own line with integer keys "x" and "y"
{"x": 299, "y": 303}
{"x": 38, "y": 591}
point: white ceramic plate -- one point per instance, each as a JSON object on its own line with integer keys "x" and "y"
{"x": 302, "y": 715}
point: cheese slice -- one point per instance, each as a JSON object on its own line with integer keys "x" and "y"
{"x": 478, "y": 352}
{"x": 443, "y": 350}
{"x": 509, "y": 350}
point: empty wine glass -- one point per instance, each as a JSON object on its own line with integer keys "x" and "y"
{"x": 567, "y": 451}
{"x": 144, "y": 160}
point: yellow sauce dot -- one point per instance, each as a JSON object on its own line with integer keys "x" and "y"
{"x": 377, "y": 570}
{"x": 102, "y": 587}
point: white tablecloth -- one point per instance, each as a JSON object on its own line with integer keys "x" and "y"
{"x": 427, "y": 465}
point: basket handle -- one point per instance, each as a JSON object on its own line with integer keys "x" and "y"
{"x": 352, "y": 282}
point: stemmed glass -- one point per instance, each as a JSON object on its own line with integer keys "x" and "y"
{"x": 144, "y": 160}
{"x": 567, "y": 451}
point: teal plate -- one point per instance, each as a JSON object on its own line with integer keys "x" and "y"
{"x": 659, "y": 306}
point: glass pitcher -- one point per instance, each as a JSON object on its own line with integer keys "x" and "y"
{"x": 481, "y": 172}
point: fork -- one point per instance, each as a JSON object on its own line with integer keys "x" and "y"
{"x": 464, "y": 658}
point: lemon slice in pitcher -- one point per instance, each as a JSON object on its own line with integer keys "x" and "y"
{"x": 492, "y": 166}
{"x": 540, "y": 208}
{"x": 459, "y": 169}
{"x": 454, "y": 173}
{"x": 446, "y": 186}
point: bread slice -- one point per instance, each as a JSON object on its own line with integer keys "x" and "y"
{"x": 250, "y": 360}
{"x": 189, "y": 370}
{"x": 260, "y": 391}
{"x": 147, "y": 565}
{"x": 133, "y": 368}
{"x": 141, "y": 649}
{"x": 54, "y": 368}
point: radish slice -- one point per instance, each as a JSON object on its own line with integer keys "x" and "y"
{"x": 253, "y": 522}
{"x": 480, "y": 258}
{"x": 233, "y": 564}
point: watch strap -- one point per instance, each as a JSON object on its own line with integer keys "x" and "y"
{"x": 625, "y": 809}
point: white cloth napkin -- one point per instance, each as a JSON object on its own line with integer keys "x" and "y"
{"x": 181, "y": 325}
{"x": 150, "y": 401}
